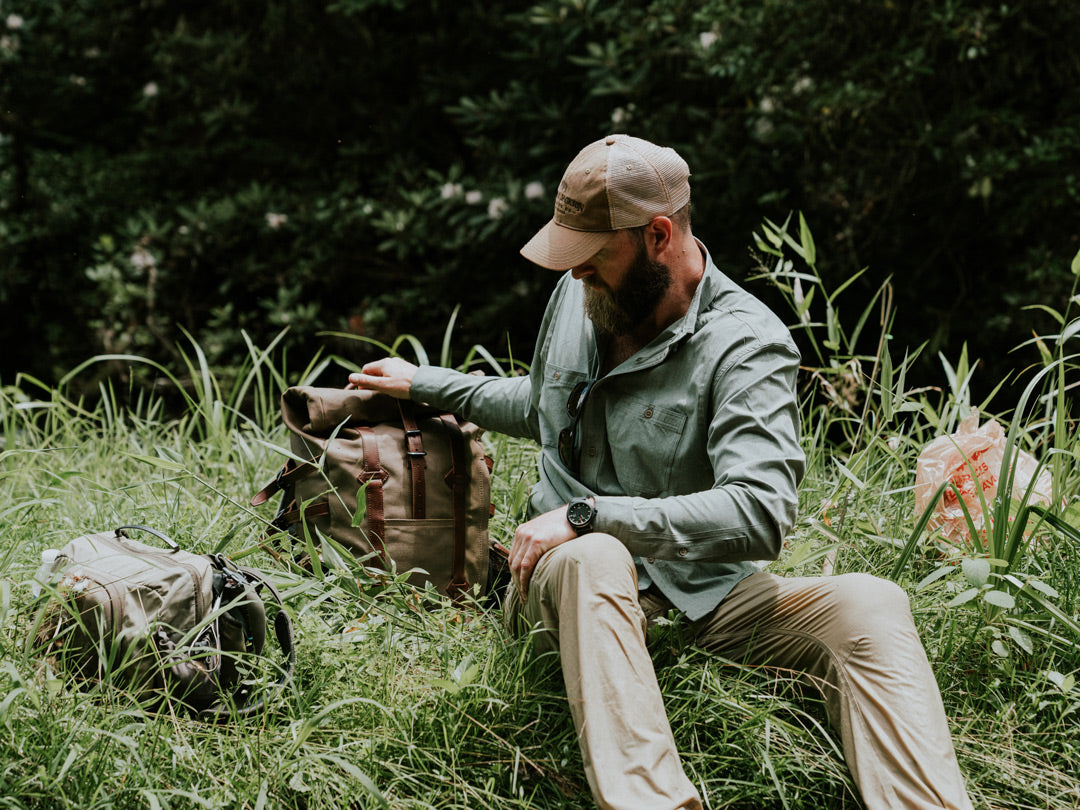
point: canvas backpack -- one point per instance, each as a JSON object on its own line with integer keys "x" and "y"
{"x": 400, "y": 484}
{"x": 166, "y": 624}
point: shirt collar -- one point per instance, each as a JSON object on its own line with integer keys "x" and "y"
{"x": 687, "y": 324}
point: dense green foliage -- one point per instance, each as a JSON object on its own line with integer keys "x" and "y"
{"x": 366, "y": 165}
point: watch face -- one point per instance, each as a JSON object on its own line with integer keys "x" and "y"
{"x": 579, "y": 513}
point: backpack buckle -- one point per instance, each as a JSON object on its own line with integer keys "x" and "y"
{"x": 413, "y": 433}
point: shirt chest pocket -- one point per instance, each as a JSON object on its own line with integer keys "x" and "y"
{"x": 559, "y": 383}
{"x": 643, "y": 438}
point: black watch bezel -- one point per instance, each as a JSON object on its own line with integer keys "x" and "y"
{"x": 581, "y": 521}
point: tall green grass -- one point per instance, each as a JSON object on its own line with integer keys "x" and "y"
{"x": 401, "y": 701}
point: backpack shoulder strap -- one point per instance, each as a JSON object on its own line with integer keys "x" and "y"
{"x": 283, "y": 631}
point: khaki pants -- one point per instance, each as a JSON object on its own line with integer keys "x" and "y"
{"x": 852, "y": 635}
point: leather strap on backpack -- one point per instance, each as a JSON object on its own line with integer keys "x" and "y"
{"x": 414, "y": 452}
{"x": 292, "y": 514}
{"x": 373, "y": 476}
{"x": 458, "y": 480}
{"x": 288, "y": 474}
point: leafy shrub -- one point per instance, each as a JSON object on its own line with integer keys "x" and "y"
{"x": 368, "y": 165}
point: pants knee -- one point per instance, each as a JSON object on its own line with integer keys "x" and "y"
{"x": 594, "y": 566}
{"x": 595, "y": 555}
{"x": 871, "y": 605}
{"x": 577, "y": 579}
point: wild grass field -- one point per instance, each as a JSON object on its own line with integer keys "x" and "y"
{"x": 401, "y": 702}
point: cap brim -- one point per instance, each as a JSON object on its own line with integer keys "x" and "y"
{"x": 558, "y": 248}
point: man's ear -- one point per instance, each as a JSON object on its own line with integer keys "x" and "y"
{"x": 658, "y": 236}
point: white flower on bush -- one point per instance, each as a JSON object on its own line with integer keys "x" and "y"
{"x": 275, "y": 221}
{"x": 497, "y": 207}
{"x": 763, "y": 129}
{"x": 474, "y": 197}
{"x": 14, "y": 22}
{"x": 623, "y": 115}
{"x": 707, "y": 39}
{"x": 142, "y": 259}
{"x": 534, "y": 190}
{"x": 802, "y": 84}
{"x": 9, "y": 44}
{"x": 450, "y": 190}
{"x": 150, "y": 89}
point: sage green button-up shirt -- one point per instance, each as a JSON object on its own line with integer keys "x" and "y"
{"x": 690, "y": 447}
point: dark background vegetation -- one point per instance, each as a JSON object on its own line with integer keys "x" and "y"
{"x": 367, "y": 165}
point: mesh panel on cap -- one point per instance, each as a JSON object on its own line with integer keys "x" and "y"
{"x": 644, "y": 181}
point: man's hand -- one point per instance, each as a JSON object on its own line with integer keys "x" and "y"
{"x": 391, "y": 375}
{"x": 534, "y": 539}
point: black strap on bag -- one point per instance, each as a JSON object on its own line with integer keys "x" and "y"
{"x": 122, "y": 531}
{"x": 283, "y": 631}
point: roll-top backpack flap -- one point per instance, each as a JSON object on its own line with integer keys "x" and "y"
{"x": 318, "y": 411}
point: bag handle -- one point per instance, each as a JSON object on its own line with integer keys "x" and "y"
{"x": 172, "y": 544}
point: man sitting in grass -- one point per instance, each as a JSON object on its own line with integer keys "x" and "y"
{"x": 662, "y": 396}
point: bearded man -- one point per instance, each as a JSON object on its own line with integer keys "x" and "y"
{"x": 663, "y": 398}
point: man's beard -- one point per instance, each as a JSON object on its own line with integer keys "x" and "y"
{"x": 621, "y": 310}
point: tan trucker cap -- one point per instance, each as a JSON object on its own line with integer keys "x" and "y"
{"x": 616, "y": 182}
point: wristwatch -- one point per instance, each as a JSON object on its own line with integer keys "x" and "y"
{"x": 581, "y": 512}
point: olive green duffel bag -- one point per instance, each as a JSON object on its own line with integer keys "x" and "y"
{"x": 164, "y": 624}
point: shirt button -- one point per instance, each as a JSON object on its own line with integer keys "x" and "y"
{"x": 556, "y": 375}
{"x": 651, "y": 560}
{"x": 592, "y": 452}
{"x": 682, "y": 552}
{"x": 648, "y": 413}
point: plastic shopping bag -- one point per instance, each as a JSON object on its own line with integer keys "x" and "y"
{"x": 971, "y": 460}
